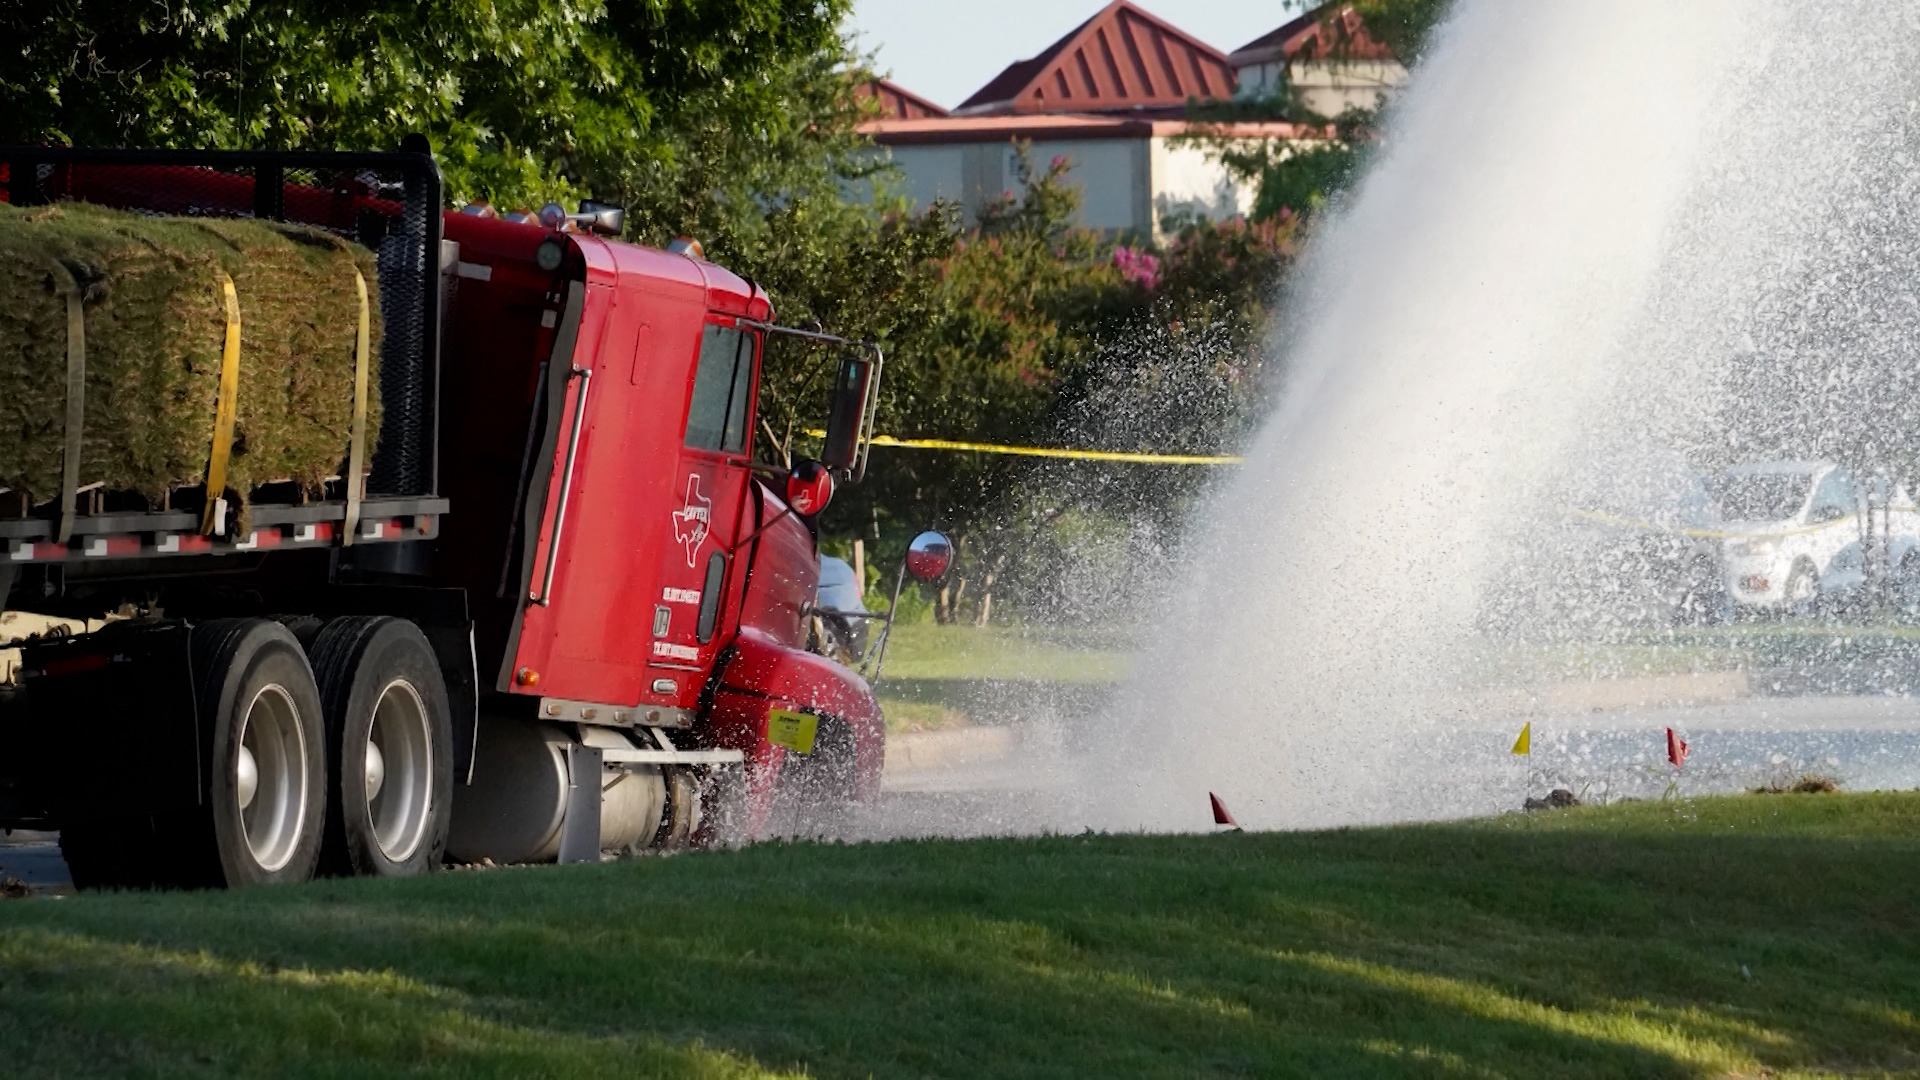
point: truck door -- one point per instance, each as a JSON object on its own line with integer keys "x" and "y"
{"x": 1833, "y": 518}
{"x": 710, "y": 494}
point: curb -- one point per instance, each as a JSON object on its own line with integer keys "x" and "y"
{"x": 1599, "y": 695}
{"x": 921, "y": 750}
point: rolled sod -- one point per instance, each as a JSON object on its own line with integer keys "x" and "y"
{"x": 155, "y": 328}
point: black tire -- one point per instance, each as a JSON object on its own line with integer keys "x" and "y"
{"x": 304, "y": 628}
{"x": 381, "y": 687}
{"x": 251, "y": 672}
{"x": 681, "y": 818}
{"x": 1802, "y": 577}
{"x": 814, "y": 798}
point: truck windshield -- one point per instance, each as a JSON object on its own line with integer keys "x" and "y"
{"x": 722, "y": 387}
{"x": 1763, "y": 496}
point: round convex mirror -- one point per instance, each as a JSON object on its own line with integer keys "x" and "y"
{"x": 929, "y": 556}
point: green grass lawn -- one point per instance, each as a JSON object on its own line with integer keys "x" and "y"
{"x": 929, "y": 651}
{"x": 1748, "y": 936}
{"x": 943, "y": 676}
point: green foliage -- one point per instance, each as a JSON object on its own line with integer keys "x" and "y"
{"x": 1029, "y": 332}
{"x": 985, "y": 327}
{"x": 1403, "y": 25}
{"x": 524, "y": 100}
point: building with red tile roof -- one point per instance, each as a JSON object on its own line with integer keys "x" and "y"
{"x": 1325, "y": 59}
{"x": 1111, "y": 98}
{"x": 896, "y": 101}
{"x": 1123, "y": 59}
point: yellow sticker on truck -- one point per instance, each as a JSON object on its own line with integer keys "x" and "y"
{"x": 793, "y": 730}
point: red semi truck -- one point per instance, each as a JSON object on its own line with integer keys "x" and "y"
{"x": 563, "y": 612}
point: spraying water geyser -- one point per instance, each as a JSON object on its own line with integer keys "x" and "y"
{"x": 1598, "y": 239}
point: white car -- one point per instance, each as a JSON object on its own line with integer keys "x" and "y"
{"x": 1795, "y": 530}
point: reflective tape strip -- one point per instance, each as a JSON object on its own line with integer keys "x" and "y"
{"x": 76, "y": 401}
{"x": 357, "y": 444}
{"x": 1051, "y": 452}
{"x": 227, "y": 405}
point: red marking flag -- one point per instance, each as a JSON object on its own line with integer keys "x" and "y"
{"x": 1676, "y": 749}
{"x": 1220, "y": 814}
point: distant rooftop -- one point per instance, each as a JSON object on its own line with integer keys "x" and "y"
{"x": 1059, "y": 126}
{"x": 1122, "y": 59}
{"x": 1330, "y": 32}
{"x": 897, "y": 102}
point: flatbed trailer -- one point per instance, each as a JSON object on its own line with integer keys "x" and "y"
{"x": 560, "y": 612}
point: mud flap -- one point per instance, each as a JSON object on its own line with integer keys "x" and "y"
{"x": 580, "y": 828}
{"x": 106, "y": 725}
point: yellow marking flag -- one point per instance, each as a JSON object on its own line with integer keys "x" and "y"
{"x": 1524, "y": 744}
{"x": 793, "y": 730}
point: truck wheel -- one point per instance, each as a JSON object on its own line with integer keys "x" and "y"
{"x": 389, "y": 746}
{"x": 269, "y": 775}
{"x": 1802, "y": 585}
{"x": 681, "y": 822}
{"x": 816, "y": 792}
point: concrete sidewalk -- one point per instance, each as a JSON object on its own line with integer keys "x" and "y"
{"x": 919, "y": 751}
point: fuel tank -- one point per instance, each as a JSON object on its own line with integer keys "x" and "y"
{"x": 514, "y": 809}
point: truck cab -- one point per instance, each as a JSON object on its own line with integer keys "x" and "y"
{"x": 649, "y": 577}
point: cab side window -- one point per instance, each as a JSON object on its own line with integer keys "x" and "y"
{"x": 1833, "y": 499}
{"x": 722, "y": 386}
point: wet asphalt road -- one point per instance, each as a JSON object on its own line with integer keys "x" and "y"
{"x": 1866, "y": 742}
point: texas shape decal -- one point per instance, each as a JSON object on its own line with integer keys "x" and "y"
{"x": 690, "y": 525}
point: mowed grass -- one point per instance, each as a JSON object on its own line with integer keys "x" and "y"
{"x": 948, "y": 676}
{"x": 1011, "y": 653}
{"x": 1747, "y": 936}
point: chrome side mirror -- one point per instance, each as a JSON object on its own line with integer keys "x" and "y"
{"x": 929, "y": 557}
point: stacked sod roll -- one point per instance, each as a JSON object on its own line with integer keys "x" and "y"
{"x": 155, "y": 328}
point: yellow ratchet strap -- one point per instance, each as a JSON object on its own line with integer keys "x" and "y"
{"x": 357, "y": 444}
{"x": 76, "y": 400}
{"x": 213, "y": 520}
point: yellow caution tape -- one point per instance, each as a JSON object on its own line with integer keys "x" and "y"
{"x": 227, "y": 404}
{"x": 1050, "y": 452}
{"x": 1648, "y": 526}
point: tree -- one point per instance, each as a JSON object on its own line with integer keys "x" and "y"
{"x": 524, "y": 100}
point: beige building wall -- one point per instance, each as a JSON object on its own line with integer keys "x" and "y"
{"x": 1189, "y": 181}
{"x": 1127, "y": 186}
{"x": 1328, "y": 87}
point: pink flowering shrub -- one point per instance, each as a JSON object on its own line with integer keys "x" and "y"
{"x": 1140, "y": 267}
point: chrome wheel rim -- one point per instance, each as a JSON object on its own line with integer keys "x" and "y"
{"x": 270, "y": 777}
{"x": 399, "y": 771}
